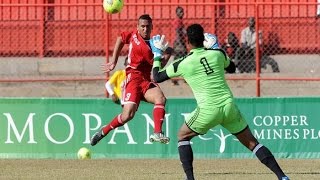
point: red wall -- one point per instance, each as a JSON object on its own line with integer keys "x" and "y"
{"x": 77, "y": 27}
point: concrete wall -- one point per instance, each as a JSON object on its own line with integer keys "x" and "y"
{"x": 291, "y": 66}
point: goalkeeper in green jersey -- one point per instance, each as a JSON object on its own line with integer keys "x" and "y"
{"x": 203, "y": 69}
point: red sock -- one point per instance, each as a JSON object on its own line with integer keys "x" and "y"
{"x": 116, "y": 122}
{"x": 158, "y": 116}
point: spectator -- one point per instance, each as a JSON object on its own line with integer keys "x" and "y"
{"x": 114, "y": 85}
{"x": 248, "y": 43}
{"x": 179, "y": 45}
{"x": 244, "y": 61}
{"x": 232, "y": 45}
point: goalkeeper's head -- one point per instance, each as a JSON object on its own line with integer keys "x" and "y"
{"x": 195, "y": 35}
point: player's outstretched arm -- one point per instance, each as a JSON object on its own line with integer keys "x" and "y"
{"x": 211, "y": 42}
{"x": 170, "y": 71}
{"x": 107, "y": 67}
{"x": 117, "y": 49}
{"x": 159, "y": 76}
{"x": 158, "y": 46}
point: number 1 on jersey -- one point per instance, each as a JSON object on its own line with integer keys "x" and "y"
{"x": 205, "y": 64}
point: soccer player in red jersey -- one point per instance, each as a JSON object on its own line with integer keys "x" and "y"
{"x": 138, "y": 84}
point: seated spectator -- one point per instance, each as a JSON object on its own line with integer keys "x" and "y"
{"x": 242, "y": 59}
{"x": 248, "y": 43}
{"x": 232, "y": 45}
{"x": 245, "y": 60}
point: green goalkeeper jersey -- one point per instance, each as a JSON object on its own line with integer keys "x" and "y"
{"x": 204, "y": 71}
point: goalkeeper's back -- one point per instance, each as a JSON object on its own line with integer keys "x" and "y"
{"x": 203, "y": 70}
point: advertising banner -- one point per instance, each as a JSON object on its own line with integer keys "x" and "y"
{"x": 57, "y": 128}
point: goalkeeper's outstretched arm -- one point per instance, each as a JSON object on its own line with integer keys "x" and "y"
{"x": 158, "y": 74}
{"x": 158, "y": 46}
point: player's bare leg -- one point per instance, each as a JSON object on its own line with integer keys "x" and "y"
{"x": 127, "y": 114}
{"x": 262, "y": 152}
{"x": 155, "y": 95}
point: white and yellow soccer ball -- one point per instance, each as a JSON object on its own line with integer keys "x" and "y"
{"x": 112, "y": 6}
{"x": 84, "y": 153}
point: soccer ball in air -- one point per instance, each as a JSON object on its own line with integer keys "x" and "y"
{"x": 112, "y": 6}
{"x": 84, "y": 153}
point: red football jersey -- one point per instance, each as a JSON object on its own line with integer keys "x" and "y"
{"x": 140, "y": 57}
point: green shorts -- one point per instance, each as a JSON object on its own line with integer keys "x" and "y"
{"x": 228, "y": 116}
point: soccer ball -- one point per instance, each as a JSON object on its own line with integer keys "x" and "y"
{"x": 84, "y": 153}
{"x": 112, "y": 6}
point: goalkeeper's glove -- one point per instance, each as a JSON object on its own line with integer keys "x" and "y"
{"x": 158, "y": 46}
{"x": 210, "y": 41}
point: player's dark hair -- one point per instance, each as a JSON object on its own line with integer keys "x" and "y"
{"x": 195, "y": 35}
{"x": 145, "y": 17}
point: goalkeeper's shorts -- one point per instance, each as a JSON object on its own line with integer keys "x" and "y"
{"x": 228, "y": 116}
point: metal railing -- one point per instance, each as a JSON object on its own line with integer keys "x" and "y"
{"x": 84, "y": 30}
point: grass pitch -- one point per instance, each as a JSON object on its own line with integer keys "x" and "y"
{"x": 153, "y": 169}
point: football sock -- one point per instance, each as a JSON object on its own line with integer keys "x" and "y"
{"x": 266, "y": 157}
{"x": 186, "y": 158}
{"x": 158, "y": 116}
{"x": 116, "y": 122}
